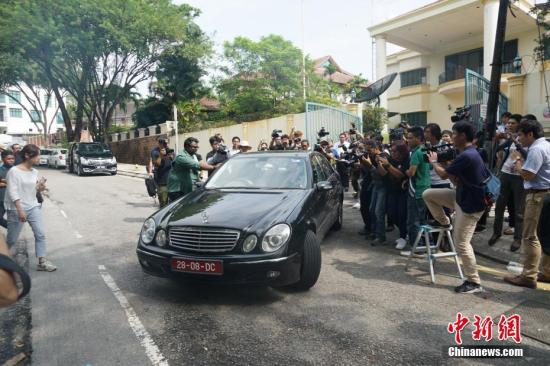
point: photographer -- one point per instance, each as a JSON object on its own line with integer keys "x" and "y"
{"x": 511, "y": 183}
{"x": 397, "y": 167}
{"x": 155, "y": 153}
{"x": 263, "y": 146}
{"x": 163, "y": 165}
{"x": 326, "y": 150}
{"x": 8, "y": 159}
{"x": 236, "y": 141}
{"x": 432, "y": 135}
{"x": 374, "y": 163}
{"x": 356, "y": 154}
{"x": 419, "y": 181}
{"x": 342, "y": 164}
{"x": 468, "y": 173}
{"x": 304, "y": 145}
{"x": 218, "y": 154}
{"x": 276, "y": 140}
{"x": 535, "y": 171}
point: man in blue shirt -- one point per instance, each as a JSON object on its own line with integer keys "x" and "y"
{"x": 467, "y": 172}
{"x": 535, "y": 171}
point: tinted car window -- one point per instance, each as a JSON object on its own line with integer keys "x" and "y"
{"x": 45, "y": 152}
{"x": 93, "y": 148}
{"x": 265, "y": 172}
{"x": 325, "y": 165}
{"x": 318, "y": 173}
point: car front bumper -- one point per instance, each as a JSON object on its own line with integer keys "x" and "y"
{"x": 279, "y": 271}
{"x": 97, "y": 169}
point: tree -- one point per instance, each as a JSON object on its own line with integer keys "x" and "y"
{"x": 374, "y": 118}
{"x": 262, "y": 77}
{"x": 152, "y": 112}
{"x": 96, "y": 50}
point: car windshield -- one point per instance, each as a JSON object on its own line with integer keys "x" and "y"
{"x": 261, "y": 172}
{"x": 93, "y": 148}
{"x": 45, "y": 152}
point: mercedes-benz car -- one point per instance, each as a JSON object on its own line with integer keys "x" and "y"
{"x": 259, "y": 219}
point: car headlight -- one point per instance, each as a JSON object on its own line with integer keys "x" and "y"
{"x": 148, "y": 231}
{"x": 160, "y": 239}
{"x": 275, "y": 237}
{"x": 250, "y": 243}
{"x": 113, "y": 160}
{"x": 84, "y": 160}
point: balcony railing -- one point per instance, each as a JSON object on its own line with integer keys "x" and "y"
{"x": 456, "y": 74}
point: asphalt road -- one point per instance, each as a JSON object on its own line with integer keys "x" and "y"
{"x": 365, "y": 309}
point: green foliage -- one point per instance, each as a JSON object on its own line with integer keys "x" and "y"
{"x": 97, "y": 50}
{"x": 152, "y": 112}
{"x": 374, "y": 118}
{"x": 541, "y": 12}
{"x": 118, "y": 129}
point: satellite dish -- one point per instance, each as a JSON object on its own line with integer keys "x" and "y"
{"x": 376, "y": 89}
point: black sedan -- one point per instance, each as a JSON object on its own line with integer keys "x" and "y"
{"x": 259, "y": 219}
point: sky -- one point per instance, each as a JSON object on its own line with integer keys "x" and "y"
{"x": 336, "y": 28}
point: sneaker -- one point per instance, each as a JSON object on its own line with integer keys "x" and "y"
{"x": 46, "y": 266}
{"x": 407, "y": 253}
{"x": 468, "y": 288}
{"x": 400, "y": 244}
{"x": 357, "y": 205}
{"x": 521, "y": 281}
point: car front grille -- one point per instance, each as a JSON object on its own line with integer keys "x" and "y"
{"x": 199, "y": 239}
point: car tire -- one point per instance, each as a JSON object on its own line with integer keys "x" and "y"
{"x": 79, "y": 171}
{"x": 311, "y": 263}
{"x": 340, "y": 219}
{"x": 113, "y": 173}
{"x": 56, "y": 167}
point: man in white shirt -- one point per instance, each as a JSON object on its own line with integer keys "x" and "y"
{"x": 511, "y": 184}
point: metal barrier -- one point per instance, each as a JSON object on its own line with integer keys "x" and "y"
{"x": 476, "y": 94}
{"x": 334, "y": 120}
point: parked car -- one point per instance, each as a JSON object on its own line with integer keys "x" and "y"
{"x": 259, "y": 218}
{"x": 44, "y": 155}
{"x": 91, "y": 158}
{"x": 57, "y": 158}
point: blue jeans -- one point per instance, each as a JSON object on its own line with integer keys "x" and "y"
{"x": 34, "y": 218}
{"x": 416, "y": 216}
{"x": 377, "y": 211}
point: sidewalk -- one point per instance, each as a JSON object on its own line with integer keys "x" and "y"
{"x": 132, "y": 170}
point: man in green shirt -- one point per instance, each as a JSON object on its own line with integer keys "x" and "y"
{"x": 419, "y": 181}
{"x": 185, "y": 170}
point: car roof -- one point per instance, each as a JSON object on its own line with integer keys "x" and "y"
{"x": 289, "y": 153}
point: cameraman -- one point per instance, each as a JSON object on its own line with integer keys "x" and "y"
{"x": 342, "y": 164}
{"x": 276, "y": 140}
{"x": 467, "y": 172}
{"x": 216, "y": 155}
{"x": 155, "y": 153}
{"x": 432, "y": 135}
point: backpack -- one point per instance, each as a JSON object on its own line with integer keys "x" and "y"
{"x": 151, "y": 186}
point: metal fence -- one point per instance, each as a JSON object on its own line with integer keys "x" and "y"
{"x": 476, "y": 94}
{"x": 334, "y": 120}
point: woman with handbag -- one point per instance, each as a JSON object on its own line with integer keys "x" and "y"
{"x": 22, "y": 204}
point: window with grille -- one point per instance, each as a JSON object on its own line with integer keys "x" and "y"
{"x": 35, "y": 116}
{"x": 2, "y": 119}
{"x": 413, "y": 77}
{"x": 415, "y": 118}
{"x": 14, "y": 96}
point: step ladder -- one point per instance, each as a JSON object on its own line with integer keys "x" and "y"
{"x": 432, "y": 251}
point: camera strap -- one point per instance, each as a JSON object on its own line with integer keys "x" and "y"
{"x": 8, "y": 264}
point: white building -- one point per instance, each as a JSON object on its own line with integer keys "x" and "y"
{"x": 445, "y": 38}
{"x": 17, "y": 122}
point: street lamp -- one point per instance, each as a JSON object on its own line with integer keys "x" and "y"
{"x": 517, "y": 62}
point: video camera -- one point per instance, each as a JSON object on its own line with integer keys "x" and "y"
{"x": 320, "y": 134}
{"x": 276, "y": 133}
{"x": 445, "y": 152}
{"x": 462, "y": 114}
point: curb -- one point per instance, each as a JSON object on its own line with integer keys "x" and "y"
{"x": 132, "y": 174}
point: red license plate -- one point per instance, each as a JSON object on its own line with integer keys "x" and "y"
{"x": 197, "y": 266}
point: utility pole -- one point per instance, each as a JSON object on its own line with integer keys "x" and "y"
{"x": 496, "y": 72}
{"x": 303, "y": 52}
{"x": 176, "y": 129}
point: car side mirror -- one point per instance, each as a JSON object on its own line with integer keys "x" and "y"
{"x": 324, "y": 186}
{"x": 199, "y": 184}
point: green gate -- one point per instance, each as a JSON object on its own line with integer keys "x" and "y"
{"x": 476, "y": 95}
{"x": 334, "y": 120}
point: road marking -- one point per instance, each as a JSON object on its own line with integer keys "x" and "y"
{"x": 141, "y": 333}
{"x": 63, "y": 214}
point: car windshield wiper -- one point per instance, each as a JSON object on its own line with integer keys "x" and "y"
{"x": 236, "y": 188}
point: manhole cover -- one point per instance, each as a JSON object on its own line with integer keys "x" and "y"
{"x": 534, "y": 320}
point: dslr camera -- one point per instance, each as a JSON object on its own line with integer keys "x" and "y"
{"x": 445, "y": 152}
{"x": 462, "y": 114}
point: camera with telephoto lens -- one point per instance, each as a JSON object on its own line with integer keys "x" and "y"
{"x": 445, "y": 152}
{"x": 320, "y": 134}
{"x": 462, "y": 114}
{"x": 276, "y": 133}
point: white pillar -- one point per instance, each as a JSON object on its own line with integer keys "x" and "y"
{"x": 490, "y": 17}
{"x": 381, "y": 65}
